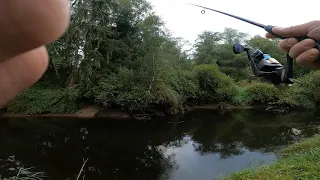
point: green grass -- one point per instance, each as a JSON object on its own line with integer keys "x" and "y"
{"x": 26, "y": 174}
{"x": 298, "y": 161}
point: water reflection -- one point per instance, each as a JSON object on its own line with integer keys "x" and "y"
{"x": 202, "y": 144}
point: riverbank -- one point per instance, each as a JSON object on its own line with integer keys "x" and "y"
{"x": 297, "y": 161}
{"x": 165, "y": 97}
{"x": 93, "y": 111}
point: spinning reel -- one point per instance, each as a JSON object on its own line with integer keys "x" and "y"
{"x": 263, "y": 65}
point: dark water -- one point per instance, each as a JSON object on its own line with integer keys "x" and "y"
{"x": 200, "y": 145}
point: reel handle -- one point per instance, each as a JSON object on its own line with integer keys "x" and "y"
{"x": 287, "y": 76}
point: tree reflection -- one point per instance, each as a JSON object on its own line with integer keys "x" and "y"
{"x": 141, "y": 150}
{"x": 232, "y": 133}
{"x": 126, "y": 152}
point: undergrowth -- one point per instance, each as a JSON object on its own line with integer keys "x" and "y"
{"x": 204, "y": 84}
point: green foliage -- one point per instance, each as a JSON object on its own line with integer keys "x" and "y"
{"x": 237, "y": 75}
{"x": 120, "y": 88}
{"x": 214, "y": 85}
{"x": 40, "y": 100}
{"x": 254, "y": 92}
{"x": 184, "y": 83}
{"x": 165, "y": 95}
{"x": 304, "y": 93}
{"x": 261, "y": 92}
{"x": 241, "y": 97}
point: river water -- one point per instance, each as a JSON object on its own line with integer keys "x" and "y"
{"x": 203, "y": 144}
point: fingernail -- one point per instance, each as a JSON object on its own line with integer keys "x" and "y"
{"x": 276, "y": 29}
{"x": 314, "y": 55}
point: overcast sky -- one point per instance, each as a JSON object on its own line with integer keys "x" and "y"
{"x": 187, "y": 21}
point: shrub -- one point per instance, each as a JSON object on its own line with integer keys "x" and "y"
{"x": 124, "y": 90}
{"x": 120, "y": 89}
{"x": 241, "y": 97}
{"x": 38, "y": 100}
{"x": 184, "y": 83}
{"x": 214, "y": 85}
{"x": 305, "y": 92}
{"x": 237, "y": 74}
{"x": 166, "y": 96}
{"x": 259, "y": 92}
{"x": 297, "y": 97}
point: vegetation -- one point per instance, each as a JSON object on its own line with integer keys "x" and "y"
{"x": 298, "y": 161}
{"x": 26, "y": 174}
{"x": 120, "y": 54}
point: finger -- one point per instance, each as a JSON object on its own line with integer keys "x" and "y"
{"x": 309, "y": 59}
{"x": 314, "y": 31}
{"x": 28, "y": 24}
{"x": 298, "y": 30}
{"x": 270, "y": 36}
{"x": 287, "y": 44}
{"x": 301, "y": 47}
{"x": 20, "y": 72}
{"x": 293, "y": 31}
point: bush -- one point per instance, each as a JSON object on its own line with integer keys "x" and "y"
{"x": 38, "y": 100}
{"x": 184, "y": 83}
{"x": 213, "y": 84}
{"x": 166, "y": 96}
{"x": 237, "y": 74}
{"x": 124, "y": 90}
{"x": 259, "y": 92}
{"x": 241, "y": 97}
{"x": 304, "y": 93}
{"x": 120, "y": 89}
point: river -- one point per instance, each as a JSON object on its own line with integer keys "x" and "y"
{"x": 203, "y": 144}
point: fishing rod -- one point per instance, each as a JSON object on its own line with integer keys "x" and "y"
{"x": 267, "y": 28}
{"x": 262, "y": 64}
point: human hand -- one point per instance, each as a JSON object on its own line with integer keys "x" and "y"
{"x": 26, "y": 26}
{"x": 303, "y": 52}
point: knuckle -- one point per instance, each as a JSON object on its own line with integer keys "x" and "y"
{"x": 286, "y": 44}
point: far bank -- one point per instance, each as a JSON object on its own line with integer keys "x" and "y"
{"x": 94, "y": 111}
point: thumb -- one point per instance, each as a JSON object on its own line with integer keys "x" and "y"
{"x": 294, "y": 31}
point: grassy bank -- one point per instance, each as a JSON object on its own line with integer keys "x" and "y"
{"x": 298, "y": 161}
{"x": 172, "y": 93}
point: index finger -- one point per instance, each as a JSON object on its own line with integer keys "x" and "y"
{"x": 270, "y": 36}
{"x": 29, "y": 24}
{"x": 295, "y": 31}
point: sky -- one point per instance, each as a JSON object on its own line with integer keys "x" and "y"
{"x": 187, "y": 21}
